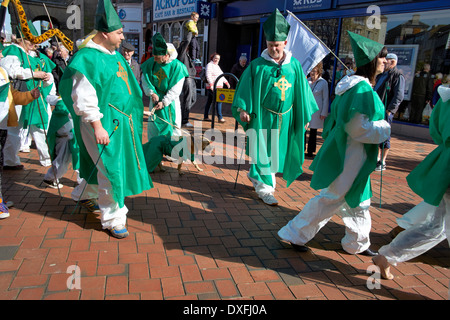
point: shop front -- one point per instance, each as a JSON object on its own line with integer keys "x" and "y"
{"x": 417, "y": 31}
{"x": 170, "y": 18}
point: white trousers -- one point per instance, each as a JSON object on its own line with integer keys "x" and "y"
{"x": 415, "y": 216}
{"x": 261, "y": 188}
{"x": 421, "y": 237}
{"x": 62, "y": 160}
{"x": 319, "y": 210}
{"x": 12, "y": 147}
{"x": 38, "y": 135}
{"x": 111, "y": 214}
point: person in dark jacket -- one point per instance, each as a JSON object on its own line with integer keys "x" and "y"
{"x": 237, "y": 70}
{"x": 390, "y": 87}
{"x": 60, "y": 58}
{"x": 188, "y": 96}
{"x": 128, "y": 51}
{"x": 421, "y": 94}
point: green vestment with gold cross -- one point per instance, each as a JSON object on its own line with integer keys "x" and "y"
{"x": 31, "y": 113}
{"x": 160, "y": 79}
{"x": 280, "y": 102}
{"x": 431, "y": 178}
{"x": 119, "y": 97}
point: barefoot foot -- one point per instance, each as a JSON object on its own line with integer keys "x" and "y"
{"x": 384, "y": 266}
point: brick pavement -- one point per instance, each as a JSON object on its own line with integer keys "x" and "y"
{"x": 196, "y": 237}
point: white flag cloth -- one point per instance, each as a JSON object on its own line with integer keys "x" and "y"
{"x": 304, "y": 45}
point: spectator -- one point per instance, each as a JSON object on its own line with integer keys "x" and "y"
{"x": 237, "y": 70}
{"x": 191, "y": 37}
{"x": 390, "y": 87}
{"x": 421, "y": 93}
{"x": 188, "y": 95}
{"x": 213, "y": 71}
{"x": 319, "y": 88}
{"x": 128, "y": 51}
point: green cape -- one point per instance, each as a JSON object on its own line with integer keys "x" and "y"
{"x": 161, "y": 146}
{"x": 123, "y": 158}
{"x": 329, "y": 161}
{"x": 431, "y": 178}
{"x": 31, "y": 113}
{"x": 256, "y": 93}
{"x": 161, "y": 78}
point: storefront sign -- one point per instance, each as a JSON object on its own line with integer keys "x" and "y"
{"x": 205, "y": 10}
{"x": 225, "y": 95}
{"x": 308, "y": 5}
{"x": 173, "y": 9}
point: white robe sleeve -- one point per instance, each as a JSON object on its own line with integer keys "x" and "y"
{"x": 85, "y": 100}
{"x": 13, "y": 66}
{"x": 361, "y": 129}
{"x": 173, "y": 93}
{"x": 148, "y": 92}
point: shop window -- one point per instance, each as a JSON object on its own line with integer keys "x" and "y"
{"x": 419, "y": 39}
{"x": 176, "y": 34}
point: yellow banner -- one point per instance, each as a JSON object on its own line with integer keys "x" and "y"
{"x": 225, "y": 95}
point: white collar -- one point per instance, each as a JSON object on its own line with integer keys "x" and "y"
{"x": 93, "y": 45}
{"x": 287, "y": 59}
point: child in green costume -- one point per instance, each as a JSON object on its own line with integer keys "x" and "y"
{"x": 345, "y": 161}
{"x": 430, "y": 180}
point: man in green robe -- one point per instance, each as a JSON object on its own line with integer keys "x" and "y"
{"x": 26, "y": 72}
{"x": 430, "y": 180}
{"x": 105, "y": 101}
{"x": 35, "y": 117}
{"x": 273, "y": 103}
{"x": 347, "y": 157}
{"x": 163, "y": 77}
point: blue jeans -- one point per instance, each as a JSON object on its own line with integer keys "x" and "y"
{"x": 387, "y": 143}
{"x": 208, "y": 105}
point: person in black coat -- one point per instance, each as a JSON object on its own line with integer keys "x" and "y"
{"x": 188, "y": 96}
{"x": 237, "y": 70}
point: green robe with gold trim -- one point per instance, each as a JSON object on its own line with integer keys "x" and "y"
{"x": 329, "y": 161}
{"x": 31, "y": 114}
{"x": 119, "y": 97}
{"x": 160, "y": 79}
{"x": 277, "y": 98}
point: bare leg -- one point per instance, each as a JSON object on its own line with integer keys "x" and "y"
{"x": 384, "y": 266}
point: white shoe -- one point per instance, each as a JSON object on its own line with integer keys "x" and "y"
{"x": 188, "y": 125}
{"x": 25, "y": 150}
{"x": 53, "y": 184}
{"x": 269, "y": 199}
{"x": 4, "y": 215}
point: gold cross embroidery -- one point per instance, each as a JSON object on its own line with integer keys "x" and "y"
{"x": 160, "y": 75}
{"x": 123, "y": 74}
{"x": 283, "y": 85}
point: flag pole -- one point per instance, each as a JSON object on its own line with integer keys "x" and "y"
{"x": 309, "y": 30}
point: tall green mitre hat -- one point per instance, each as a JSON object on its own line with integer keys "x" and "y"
{"x": 106, "y": 17}
{"x": 32, "y": 28}
{"x": 276, "y": 28}
{"x": 18, "y": 32}
{"x": 159, "y": 45}
{"x": 364, "y": 49}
